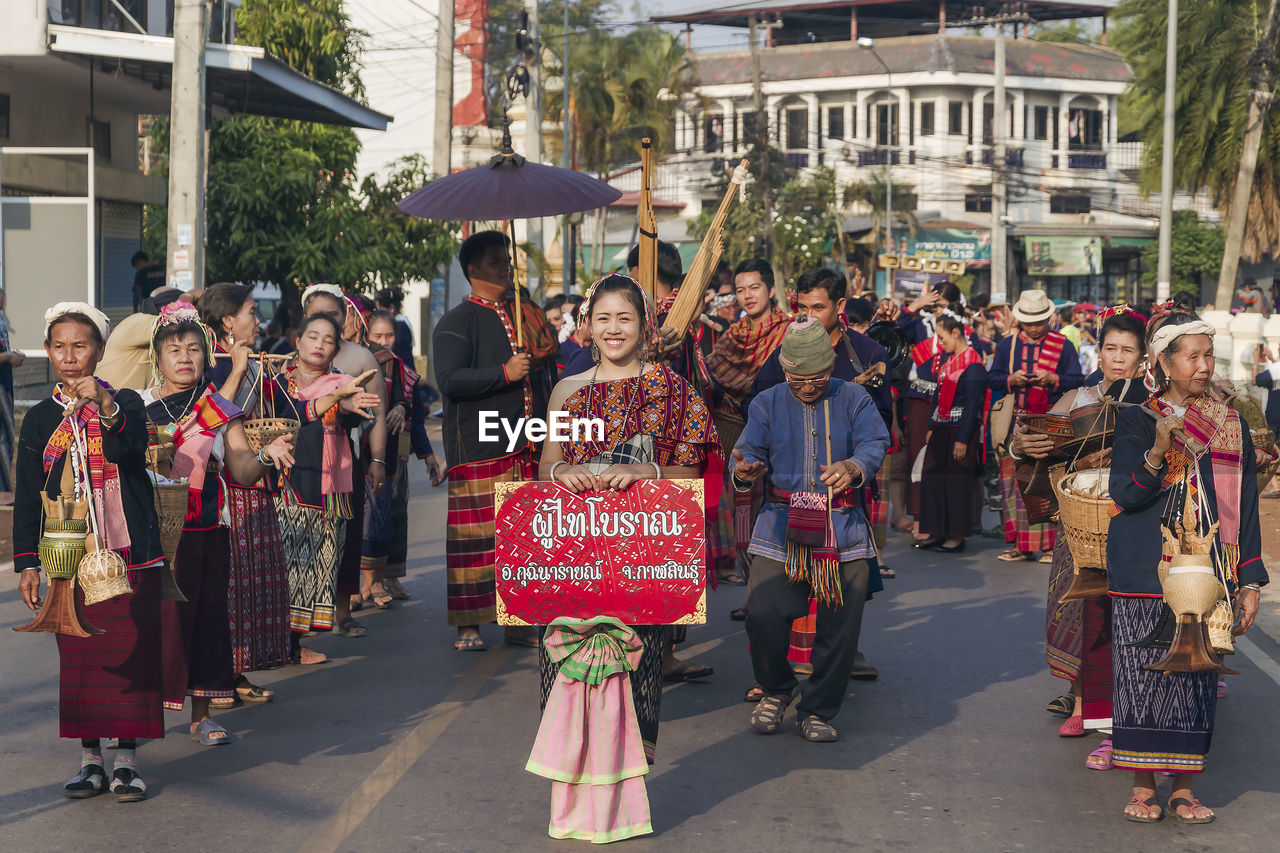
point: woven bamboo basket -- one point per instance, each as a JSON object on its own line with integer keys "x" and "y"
{"x": 1265, "y": 439}
{"x": 1085, "y": 521}
{"x": 171, "y": 508}
{"x": 1220, "y": 621}
{"x": 263, "y": 431}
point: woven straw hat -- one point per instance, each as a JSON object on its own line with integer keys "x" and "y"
{"x": 1033, "y": 306}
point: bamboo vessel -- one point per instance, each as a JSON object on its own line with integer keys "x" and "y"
{"x": 688, "y": 302}
{"x": 647, "y": 223}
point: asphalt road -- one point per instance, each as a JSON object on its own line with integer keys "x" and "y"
{"x": 401, "y": 743}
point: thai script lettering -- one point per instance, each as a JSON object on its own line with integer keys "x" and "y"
{"x": 534, "y": 573}
{"x": 668, "y": 571}
{"x": 554, "y": 523}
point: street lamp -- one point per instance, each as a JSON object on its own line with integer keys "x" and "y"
{"x": 869, "y": 44}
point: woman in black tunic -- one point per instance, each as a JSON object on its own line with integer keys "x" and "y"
{"x": 109, "y": 683}
{"x": 954, "y": 446}
{"x": 207, "y": 434}
{"x": 1164, "y": 721}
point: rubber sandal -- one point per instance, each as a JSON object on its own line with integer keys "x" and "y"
{"x": 767, "y": 717}
{"x": 246, "y": 691}
{"x": 1014, "y": 557}
{"x": 1149, "y": 803}
{"x": 1046, "y": 558}
{"x": 204, "y": 734}
{"x": 526, "y": 641}
{"x": 1103, "y": 754}
{"x": 732, "y": 579}
{"x": 1072, "y": 727}
{"x": 127, "y": 785}
{"x": 1062, "y": 706}
{"x": 886, "y": 572}
{"x": 224, "y": 703}
{"x": 815, "y": 730}
{"x": 470, "y": 644}
{"x": 356, "y": 604}
{"x": 687, "y": 671}
{"x": 1176, "y": 803}
{"x": 382, "y": 600}
{"x": 397, "y": 590}
{"x": 738, "y": 614}
{"x": 89, "y": 782}
{"x": 351, "y": 629}
{"x": 755, "y": 694}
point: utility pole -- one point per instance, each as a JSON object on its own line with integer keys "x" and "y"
{"x": 999, "y": 189}
{"x": 762, "y": 139}
{"x": 1011, "y": 13}
{"x": 568, "y": 263}
{"x": 1260, "y": 97}
{"x": 188, "y": 150}
{"x": 1164, "y": 257}
{"x": 533, "y": 131}
{"x": 442, "y": 142}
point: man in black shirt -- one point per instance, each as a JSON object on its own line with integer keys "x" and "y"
{"x": 147, "y": 277}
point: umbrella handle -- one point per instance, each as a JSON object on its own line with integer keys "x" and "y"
{"x": 515, "y": 282}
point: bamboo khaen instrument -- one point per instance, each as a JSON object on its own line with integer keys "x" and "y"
{"x": 647, "y": 223}
{"x": 688, "y": 302}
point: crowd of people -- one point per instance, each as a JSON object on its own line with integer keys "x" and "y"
{"x": 294, "y": 470}
{"x": 824, "y": 419}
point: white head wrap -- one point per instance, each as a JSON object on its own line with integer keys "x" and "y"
{"x": 327, "y": 289}
{"x": 62, "y": 309}
{"x": 1167, "y": 333}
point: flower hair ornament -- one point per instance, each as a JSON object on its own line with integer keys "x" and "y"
{"x": 650, "y": 336}
{"x": 176, "y": 312}
{"x": 362, "y": 324}
{"x": 1120, "y": 310}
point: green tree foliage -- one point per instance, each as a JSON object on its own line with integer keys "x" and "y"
{"x": 1197, "y": 252}
{"x": 746, "y": 230}
{"x": 1071, "y": 31}
{"x": 623, "y": 88}
{"x": 1215, "y": 41}
{"x": 284, "y": 203}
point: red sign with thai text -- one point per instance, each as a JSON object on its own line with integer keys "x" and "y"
{"x": 638, "y": 555}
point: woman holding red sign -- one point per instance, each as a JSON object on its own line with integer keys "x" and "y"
{"x": 656, "y": 426}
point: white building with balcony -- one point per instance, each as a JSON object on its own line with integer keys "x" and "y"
{"x": 918, "y": 108}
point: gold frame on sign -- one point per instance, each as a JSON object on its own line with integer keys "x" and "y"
{"x": 699, "y": 614}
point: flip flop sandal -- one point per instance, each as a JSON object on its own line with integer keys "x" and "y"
{"x": 738, "y": 615}
{"x": 1046, "y": 558}
{"x": 1149, "y": 803}
{"x": 127, "y": 785}
{"x": 224, "y": 703}
{"x": 1062, "y": 706}
{"x": 351, "y": 628}
{"x": 755, "y": 694}
{"x": 687, "y": 671}
{"x": 383, "y": 600}
{"x": 1103, "y": 756}
{"x": 470, "y": 644}
{"x": 204, "y": 734}
{"x": 886, "y": 572}
{"x": 732, "y": 579}
{"x": 1178, "y": 802}
{"x": 815, "y": 730}
{"x": 89, "y": 782}
{"x": 357, "y": 604}
{"x": 1014, "y": 557}
{"x": 767, "y": 717}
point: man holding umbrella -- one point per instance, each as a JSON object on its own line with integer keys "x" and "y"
{"x": 483, "y": 372}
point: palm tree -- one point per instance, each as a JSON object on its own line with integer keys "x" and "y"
{"x": 1216, "y": 39}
